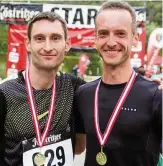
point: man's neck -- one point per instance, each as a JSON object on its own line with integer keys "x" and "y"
{"x": 41, "y": 79}
{"x": 116, "y": 75}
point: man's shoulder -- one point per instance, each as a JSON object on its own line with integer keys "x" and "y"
{"x": 8, "y": 81}
{"x": 67, "y": 75}
{"x": 146, "y": 82}
{"x": 11, "y": 84}
{"x": 89, "y": 86}
{"x": 10, "y": 78}
{"x": 147, "y": 85}
{"x": 76, "y": 81}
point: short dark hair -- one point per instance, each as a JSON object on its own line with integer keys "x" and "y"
{"x": 113, "y": 5}
{"x": 51, "y": 16}
{"x": 141, "y": 70}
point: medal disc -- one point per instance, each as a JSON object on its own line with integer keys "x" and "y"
{"x": 101, "y": 158}
{"x": 39, "y": 159}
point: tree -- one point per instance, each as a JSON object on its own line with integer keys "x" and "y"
{"x": 3, "y": 38}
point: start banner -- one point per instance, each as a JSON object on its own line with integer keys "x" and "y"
{"x": 83, "y": 16}
{"x": 76, "y": 16}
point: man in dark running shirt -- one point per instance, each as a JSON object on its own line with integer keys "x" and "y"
{"x": 37, "y": 121}
{"x": 121, "y": 111}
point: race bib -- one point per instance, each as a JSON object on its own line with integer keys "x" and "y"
{"x": 55, "y": 154}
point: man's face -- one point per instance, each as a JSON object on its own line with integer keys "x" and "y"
{"x": 47, "y": 45}
{"x": 114, "y": 36}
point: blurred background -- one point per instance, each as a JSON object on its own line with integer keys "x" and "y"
{"x": 83, "y": 59}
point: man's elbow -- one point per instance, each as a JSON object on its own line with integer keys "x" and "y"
{"x": 80, "y": 150}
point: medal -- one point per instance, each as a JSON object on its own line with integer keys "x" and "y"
{"x": 39, "y": 159}
{"x": 40, "y": 137}
{"x": 101, "y": 158}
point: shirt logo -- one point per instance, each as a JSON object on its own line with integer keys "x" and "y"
{"x": 129, "y": 109}
{"x": 42, "y": 115}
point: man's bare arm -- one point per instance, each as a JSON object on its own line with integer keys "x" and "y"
{"x": 80, "y": 143}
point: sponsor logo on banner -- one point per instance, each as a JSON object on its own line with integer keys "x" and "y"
{"x": 18, "y": 13}
{"x": 17, "y": 55}
{"x": 14, "y": 56}
{"x": 140, "y": 14}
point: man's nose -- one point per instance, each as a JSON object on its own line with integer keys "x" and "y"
{"x": 48, "y": 46}
{"x": 111, "y": 41}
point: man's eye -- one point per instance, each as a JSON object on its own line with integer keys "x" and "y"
{"x": 56, "y": 38}
{"x": 103, "y": 34}
{"x": 39, "y": 38}
{"x": 121, "y": 34}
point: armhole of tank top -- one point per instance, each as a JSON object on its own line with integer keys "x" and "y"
{"x": 2, "y": 119}
{"x": 3, "y": 113}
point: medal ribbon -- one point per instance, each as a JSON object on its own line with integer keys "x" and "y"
{"x": 103, "y": 137}
{"x": 40, "y": 138}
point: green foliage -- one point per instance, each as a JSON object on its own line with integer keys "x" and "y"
{"x": 3, "y": 38}
{"x": 154, "y": 12}
{"x": 154, "y": 16}
{"x": 95, "y": 65}
{"x": 69, "y": 63}
{"x": 3, "y": 49}
{"x": 2, "y": 66}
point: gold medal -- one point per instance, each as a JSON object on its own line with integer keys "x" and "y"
{"x": 101, "y": 157}
{"x": 39, "y": 159}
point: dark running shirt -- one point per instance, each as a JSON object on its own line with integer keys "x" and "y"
{"x": 136, "y": 136}
{"x": 18, "y": 122}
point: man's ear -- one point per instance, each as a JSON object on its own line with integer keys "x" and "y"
{"x": 96, "y": 40}
{"x": 27, "y": 44}
{"x": 135, "y": 39}
{"x": 68, "y": 44}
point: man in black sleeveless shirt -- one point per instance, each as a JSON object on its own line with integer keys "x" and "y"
{"x": 121, "y": 111}
{"x": 37, "y": 121}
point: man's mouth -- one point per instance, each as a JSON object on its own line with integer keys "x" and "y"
{"x": 112, "y": 51}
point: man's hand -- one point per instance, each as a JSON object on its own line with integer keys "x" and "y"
{"x": 158, "y": 80}
{"x": 160, "y": 87}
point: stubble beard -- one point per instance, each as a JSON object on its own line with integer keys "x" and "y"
{"x": 122, "y": 62}
{"x": 41, "y": 65}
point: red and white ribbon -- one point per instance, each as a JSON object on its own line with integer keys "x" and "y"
{"x": 40, "y": 138}
{"x": 103, "y": 137}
